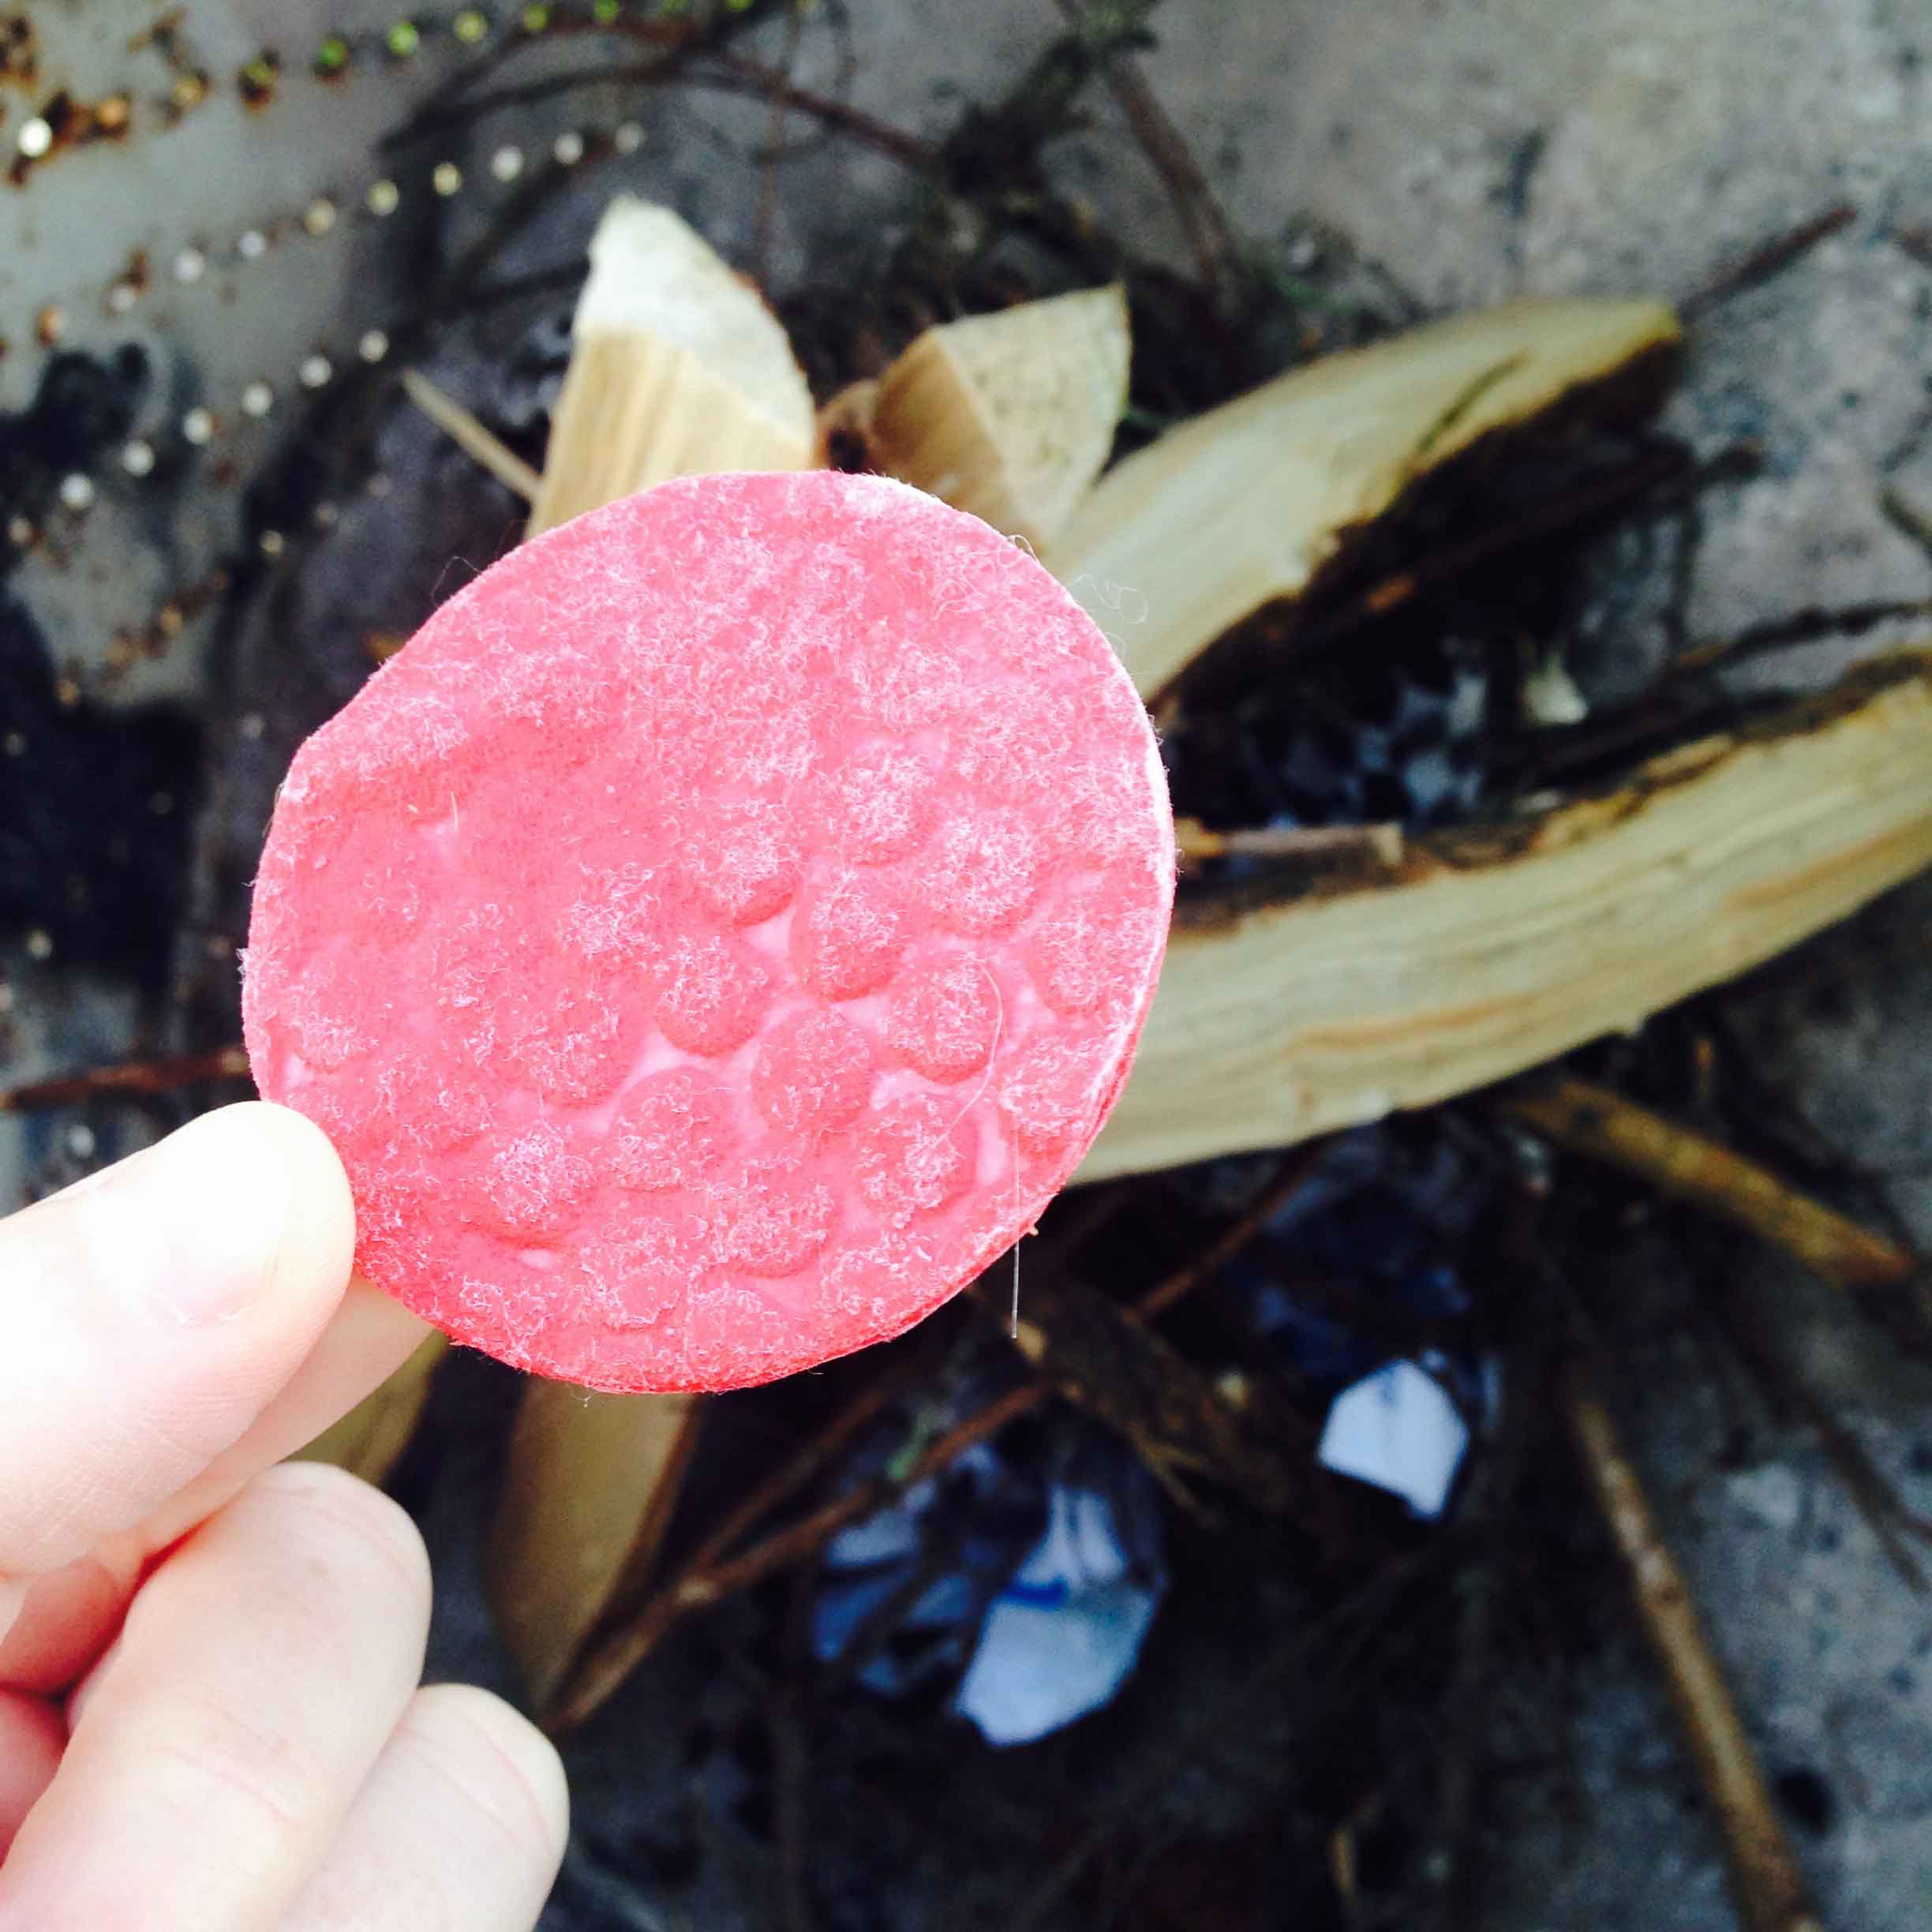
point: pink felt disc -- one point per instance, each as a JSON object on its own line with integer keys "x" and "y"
{"x": 714, "y": 938}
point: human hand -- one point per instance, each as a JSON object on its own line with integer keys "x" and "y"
{"x": 209, "y": 1716}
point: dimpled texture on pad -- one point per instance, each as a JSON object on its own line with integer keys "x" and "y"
{"x": 713, "y": 939}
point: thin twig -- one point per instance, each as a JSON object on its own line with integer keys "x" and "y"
{"x": 735, "y": 73}
{"x": 1081, "y": 1214}
{"x": 607, "y": 1665}
{"x": 812, "y": 1457}
{"x": 725, "y": 73}
{"x": 1179, "y": 1420}
{"x": 1689, "y": 525}
{"x": 1771, "y": 1890}
{"x": 470, "y": 436}
{"x": 766, "y": 214}
{"x": 138, "y": 1076}
{"x": 1245, "y": 1229}
{"x": 1211, "y": 236}
{"x": 1344, "y": 1853}
{"x": 710, "y": 1576}
{"x": 524, "y": 94}
{"x": 1606, "y": 1126}
{"x": 1765, "y": 261}
{"x": 1627, "y": 486}
{"x": 1383, "y": 843}
{"x": 515, "y": 288}
{"x": 1906, "y": 517}
{"x": 342, "y": 426}
{"x": 1448, "y": 1875}
{"x": 1809, "y": 626}
{"x": 1916, "y": 242}
{"x": 453, "y": 104}
{"x": 1529, "y": 1317}
{"x": 1885, "y": 1511}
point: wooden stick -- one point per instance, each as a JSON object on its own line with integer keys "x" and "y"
{"x": 136, "y": 1076}
{"x": 1885, "y": 1511}
{"x": 713, "y": 1574}
{"x": 1771, "y": 1891}
{"x": 1210, "y": 234}
{"x": 1240, "y": 1233}
{"x": 608, "y": 1664}
{"x": 1602, "y": 1123}
{"x": 1383, "y": 843}
{"x": 470, "y": 435}
{"x": 1495, "y": 950}
{"x": 1766, "y": 260}
{"x": 1810, "y": 626}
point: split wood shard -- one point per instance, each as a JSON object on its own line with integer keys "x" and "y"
{"x": 1242, "y": 507}
{"x": 1488, "y": 951}
{"x": 1009, "y": 415}
{"x": 677, "y": 368}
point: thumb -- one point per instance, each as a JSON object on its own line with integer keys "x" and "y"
{"x": 148, "y": 1315}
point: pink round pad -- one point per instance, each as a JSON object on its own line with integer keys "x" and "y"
{"x": 712, "y": 940}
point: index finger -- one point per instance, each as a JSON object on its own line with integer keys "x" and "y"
{"x": 149, "y": 1315}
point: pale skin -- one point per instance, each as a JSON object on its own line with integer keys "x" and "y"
{"x": 210, "y": 1716}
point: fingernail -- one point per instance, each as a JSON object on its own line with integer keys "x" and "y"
{"x": 191, "y": 1226}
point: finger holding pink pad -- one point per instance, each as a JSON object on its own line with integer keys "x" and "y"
{"x": 716, "y": 936}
